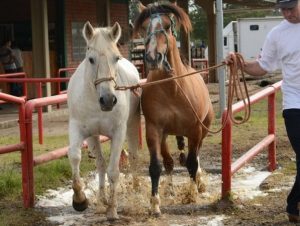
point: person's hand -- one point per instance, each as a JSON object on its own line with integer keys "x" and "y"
{"x": 229, "y": 58}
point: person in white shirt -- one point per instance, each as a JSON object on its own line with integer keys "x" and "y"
{"x": 281, "y": 50}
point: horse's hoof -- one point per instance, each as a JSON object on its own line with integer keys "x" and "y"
{"x": 80, "y": 206}
{"x": 112, "y": 215}
{"x": 182, "y": 159}
{"x": 201, "y": 188}
{"x": 112, "y": 218}
{"x": 156, "y": 214}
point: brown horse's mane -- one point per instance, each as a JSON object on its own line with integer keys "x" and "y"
{"x": 180, "y": 15}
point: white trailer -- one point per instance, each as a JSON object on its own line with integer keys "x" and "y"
{"x": 247, "y": 35}
{"x": 230, "y": 38}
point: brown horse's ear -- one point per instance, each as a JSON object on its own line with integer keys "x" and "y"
{"x": 88, "y": 31}
{"x": 141, "y": 7}
{"x": 115, "y": 32}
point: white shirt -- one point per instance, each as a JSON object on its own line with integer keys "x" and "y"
{"x": 281, "y": 50}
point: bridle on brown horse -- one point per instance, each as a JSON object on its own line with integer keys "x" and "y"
{"x": 166, "y": 64}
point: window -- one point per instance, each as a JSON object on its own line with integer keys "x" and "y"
{"x": 78, "y": 42}
{"x": 254, "y": 27}
{"x": 225, "y": 41}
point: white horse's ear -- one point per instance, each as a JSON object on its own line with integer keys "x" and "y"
{"x": 141, "y": 7}
{"x": 88, "y": 31}
{"x": 115, "y": 32}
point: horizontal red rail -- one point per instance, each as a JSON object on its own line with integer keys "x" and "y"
{"x": 58, "y": 153}
{"x": 12, "y": 148}
{"x": 13, "y": 75}
{"x": 251, "y": 153}
{"x": 34, "y": 80}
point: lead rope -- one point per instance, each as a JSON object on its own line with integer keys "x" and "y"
{"x": 233, "y": 87}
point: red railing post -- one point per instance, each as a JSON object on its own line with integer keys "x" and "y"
{"x": 226, "y": 155}
{"x": 40, "y": 114}
{"x": 58, "y": 87}
{"x": 271, "y": 130}
{"x": 21, "y": 146}
{"x": 24, "y": 158}
{"x": 29, "y": 107}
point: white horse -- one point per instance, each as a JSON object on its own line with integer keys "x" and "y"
{"x": 95, "y": 107}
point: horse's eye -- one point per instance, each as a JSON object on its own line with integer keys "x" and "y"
{"x": 92, "y": 61}
{"x": 168, "y": 27}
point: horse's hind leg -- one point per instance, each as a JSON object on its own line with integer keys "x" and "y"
{"x": 193, "y": 163}
{"x": 180, "y": 146}
{"x": 95, "y": 147}
{"x": 180, "y": 143}
{"x": 133, "y": 146}
{"x": 80, "y": 201}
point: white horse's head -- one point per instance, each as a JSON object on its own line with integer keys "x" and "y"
{"x": 102, "y": 58}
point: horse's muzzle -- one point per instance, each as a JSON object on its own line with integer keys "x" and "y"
{"x": 107, "y": 102}
{"x": 156, "y": 62}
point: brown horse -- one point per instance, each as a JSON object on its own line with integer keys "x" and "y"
{"x": 180, "y": 107}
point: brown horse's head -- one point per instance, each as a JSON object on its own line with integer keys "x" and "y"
{"x": 158, "y": 25}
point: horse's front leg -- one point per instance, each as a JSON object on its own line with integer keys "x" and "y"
{"x": 153, "y": 142}
{"x": 113, "y": 172}
{"x": 95, "y": 147}
{"x": 169, "y": 166}
{"x": 80, "y": 201}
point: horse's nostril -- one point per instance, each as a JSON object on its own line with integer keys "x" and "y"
{"x": 115, "y": 100}
{"x": 108, "y": 101}
{"x": 101, "y": 101}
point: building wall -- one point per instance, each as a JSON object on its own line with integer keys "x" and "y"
{"x": 85, "y": 10}
{"x": 119, "y": 12}
{"x": 77, "y": 11}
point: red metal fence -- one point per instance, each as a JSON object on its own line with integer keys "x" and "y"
{"x": 229, "y": 168}
{"x": 28, "y": 160}
{"x": 38, "y": 84}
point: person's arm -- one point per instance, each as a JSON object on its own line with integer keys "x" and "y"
{"x": 250, "y": 67}
{"x": 253, "y": 68}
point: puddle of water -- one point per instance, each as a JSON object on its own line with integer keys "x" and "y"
{"x": 58, "y": 203}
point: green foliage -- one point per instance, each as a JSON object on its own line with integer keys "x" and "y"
{"x": 10, "y": 182}
{"x": 200, "y": 25}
